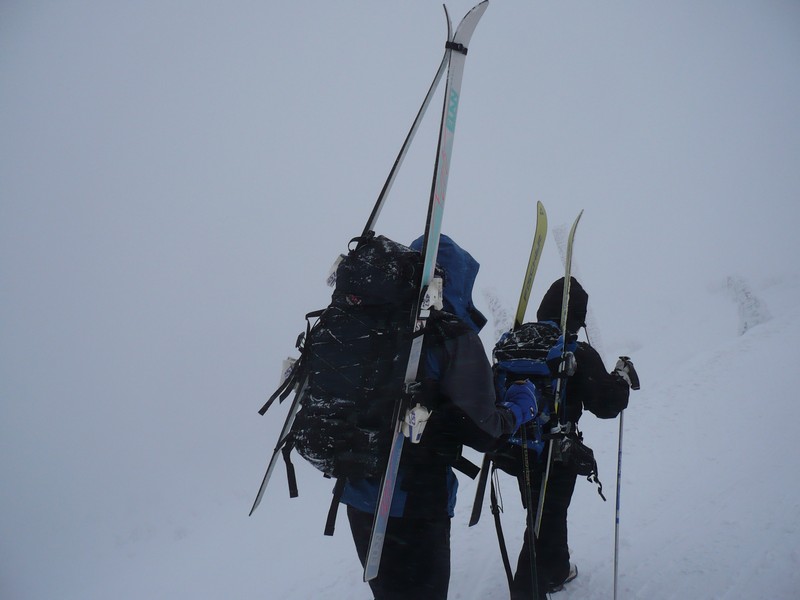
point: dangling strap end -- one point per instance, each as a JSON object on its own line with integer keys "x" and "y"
{"x": 330, "y": 522}
{"x": 290, "y": 475}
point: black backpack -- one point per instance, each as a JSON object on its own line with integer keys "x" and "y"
{"x": 352, "y": 367}
{"x": 353, "y": 361}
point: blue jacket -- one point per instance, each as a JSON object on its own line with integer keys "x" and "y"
{"x": 457, "y": 375}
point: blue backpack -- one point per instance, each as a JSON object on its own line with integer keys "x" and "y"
{"x": 533, "y": 351}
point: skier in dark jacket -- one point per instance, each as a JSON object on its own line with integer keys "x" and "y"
{"x": 593, "y": 388}
{"x": 458, "y": 387}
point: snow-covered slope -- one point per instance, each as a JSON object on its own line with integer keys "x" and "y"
{"x": 709, "y": 493}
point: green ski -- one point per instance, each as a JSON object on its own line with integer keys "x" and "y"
{"x": 533, "y": 264}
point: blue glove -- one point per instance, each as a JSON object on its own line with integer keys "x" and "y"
{"x": 522, "y": 400}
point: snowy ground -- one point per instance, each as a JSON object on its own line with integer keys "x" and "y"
{"x": 709, "y": 500}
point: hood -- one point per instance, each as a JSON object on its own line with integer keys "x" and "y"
{"x": 550, "y": 308}
{"x": 460, "y": 271}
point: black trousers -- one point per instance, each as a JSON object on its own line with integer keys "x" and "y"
{"x": 415, "y": 564}
{"x": 552, "y": 553}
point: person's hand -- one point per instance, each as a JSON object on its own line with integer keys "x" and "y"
{"x": 522, "y": 399}
{"x": 627, "y": 372}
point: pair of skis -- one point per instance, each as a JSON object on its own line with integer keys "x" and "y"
{"x": 452, "y": 62}
{"x": 454, "y": 57}
{"x": 533, "y": 519}
{"x": 539, "y": 237}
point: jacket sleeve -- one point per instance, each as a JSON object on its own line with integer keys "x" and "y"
{"x": 466, "y": 385}
{"x": 602, "y": 393}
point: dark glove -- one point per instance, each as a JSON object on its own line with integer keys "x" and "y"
{"x": 627, "y": 372}
{"x": 522, "y": 399}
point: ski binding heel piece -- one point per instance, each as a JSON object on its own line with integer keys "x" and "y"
{"x": 433, "y": 295}
{"x": 414, "y": 423}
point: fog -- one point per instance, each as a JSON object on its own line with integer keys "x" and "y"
{"x": 176, "y": 180}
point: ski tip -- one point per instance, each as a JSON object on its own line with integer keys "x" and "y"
{"x": 541, "y": 214}
{"x": 449, "y": 26}
{"x": 476, "y": 12}
{"x": 575, "y": 224}
{"x": 468, "y": 24}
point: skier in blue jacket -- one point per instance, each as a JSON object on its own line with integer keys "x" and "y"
{"x": 457, "y": 385}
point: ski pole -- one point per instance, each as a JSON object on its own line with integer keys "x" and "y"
{"x": 616, "y": 518}
{"x": 633, "y": 381}
{"x": 530, "y": 517}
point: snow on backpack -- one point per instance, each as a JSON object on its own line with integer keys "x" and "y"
{"x": 532, "y": 351}
{"x": 351, "y": 372}
{"x": 354, "y": 362}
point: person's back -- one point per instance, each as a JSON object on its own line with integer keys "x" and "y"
{"x": 590, "y": 387}
{"x": 457, "y": 385}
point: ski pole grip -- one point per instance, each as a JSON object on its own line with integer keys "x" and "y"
{"x": 631, "y": 372}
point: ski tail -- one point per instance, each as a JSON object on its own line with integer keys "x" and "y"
{"x": 455, "y": 50}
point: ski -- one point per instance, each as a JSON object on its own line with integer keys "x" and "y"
{"x": 287, "y": 426}
{"x": 560, "y": 383}
{"x": 539, "y": 236}
{"x": 370, "y": 226}
{"x": 526, "y": 468}
{"x": 455, "y": 57}
{"x": 376, "y": 210}
{"x": 533, "y": 264}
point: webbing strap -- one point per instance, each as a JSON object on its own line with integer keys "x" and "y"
{"x": 456, "y": 47}
{"x": 466, "y": 466}
{"x": 330, "y": 522}
{"x": 282, "y": 392}
{"x": 290, "y": 476}
{"x": 501, "y": 540}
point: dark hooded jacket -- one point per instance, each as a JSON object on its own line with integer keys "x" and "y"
{"x": 591, "y": 387}
{"x": 458, "y": 386}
